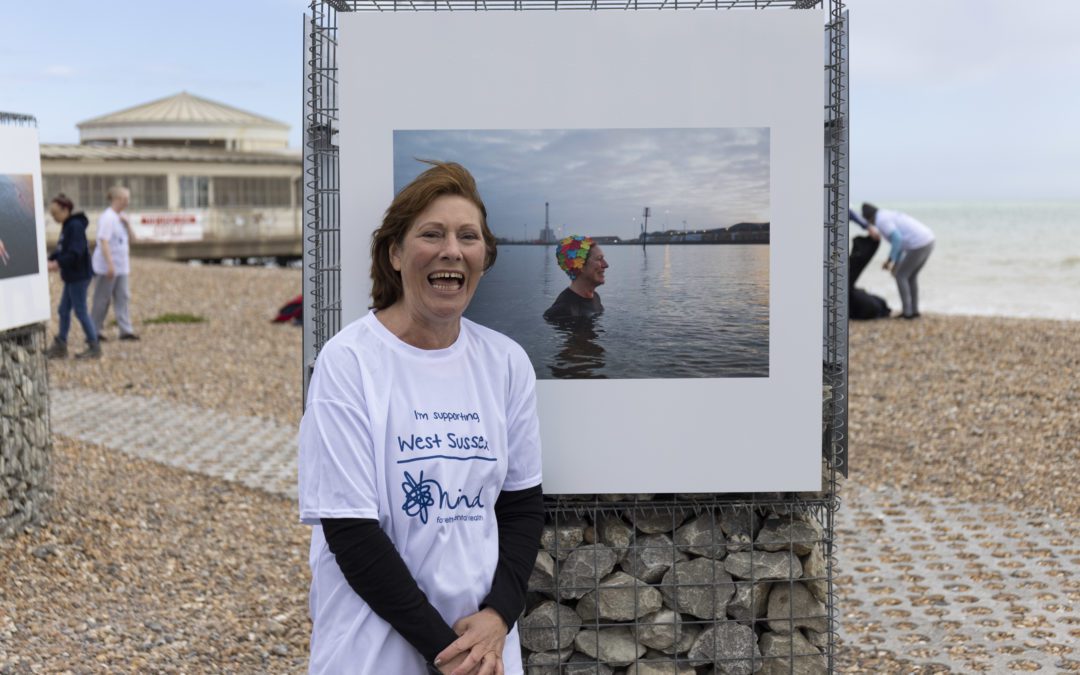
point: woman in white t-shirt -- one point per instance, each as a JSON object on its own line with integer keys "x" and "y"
{"x": 420, "y": 457}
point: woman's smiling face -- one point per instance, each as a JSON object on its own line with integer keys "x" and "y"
{"x": 441, "y": 259}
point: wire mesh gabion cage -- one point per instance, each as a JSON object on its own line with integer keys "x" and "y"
{"x": 648, "y": 583}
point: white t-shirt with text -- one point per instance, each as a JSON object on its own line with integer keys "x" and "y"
{"x": 422, "y": 441}
{"x": 112, "y": 230}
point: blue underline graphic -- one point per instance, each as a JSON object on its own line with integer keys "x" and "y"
{"x": 460, "y": 459}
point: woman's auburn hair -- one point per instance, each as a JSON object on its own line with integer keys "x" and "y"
{"x": 443, "y": 178}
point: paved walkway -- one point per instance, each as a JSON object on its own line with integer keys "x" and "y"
{"x": 976, "y": 588}
{"x": 937, "y": 582}
{"x": 257, "y": 452}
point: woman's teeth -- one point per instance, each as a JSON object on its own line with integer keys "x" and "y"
{"x": 446, "y": 281}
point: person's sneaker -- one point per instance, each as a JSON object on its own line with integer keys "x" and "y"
{"x": 93, "y": 351}
{"x": 128, "y": 336}
{"x": 101, "y": 337}
{"x": 57, "y": 350}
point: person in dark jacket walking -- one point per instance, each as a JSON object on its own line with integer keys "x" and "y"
{"x": 72, "y": 259}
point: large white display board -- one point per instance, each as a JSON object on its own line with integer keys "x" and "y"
{"x": 411, "y": 71}
{"x": 24, "y": 284}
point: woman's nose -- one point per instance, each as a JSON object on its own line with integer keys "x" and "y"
{"x": 451, "y": 248}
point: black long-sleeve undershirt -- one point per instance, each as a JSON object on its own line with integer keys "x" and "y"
{"x": 520, "y": 514}
{"x": 376, "y": 572}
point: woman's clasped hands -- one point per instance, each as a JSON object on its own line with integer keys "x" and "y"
{"x": 479, "y": 647}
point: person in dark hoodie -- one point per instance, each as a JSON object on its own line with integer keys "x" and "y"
{"x": 72, "y": 258}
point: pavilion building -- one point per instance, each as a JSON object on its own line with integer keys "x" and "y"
{"x": 207, "y": 180}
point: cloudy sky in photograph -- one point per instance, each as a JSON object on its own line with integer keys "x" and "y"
{"x": 951, "y": 100}
{"x": 598, "y": 181}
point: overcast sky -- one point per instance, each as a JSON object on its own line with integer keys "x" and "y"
{"x": 952, "y": 99}
{"x": 598, "y": 181}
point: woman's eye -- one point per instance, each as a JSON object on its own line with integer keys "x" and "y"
{"x": 430, "y": 235}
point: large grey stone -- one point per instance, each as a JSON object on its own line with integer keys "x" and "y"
{"x": 782, "y": 534}
{"x": 614, "y": 533}
{"x": 660, "y": 630}
{"x": 580, "y": 664}
{"x": 702, "y": 536}
{"x": 791, "y": 653}
{"x": 816, "y": 573}
{"x": 763, "y": 565}
{"x": 651, "y": 556}
{"x": 549, "y": 627}
{"x": 819, "y": 640}
{"x": 560, "y": 542}
{"x": 792, "y": 606}
{"x": 551, "y": 659}
{"x": 656, "y": 663}
{"x": 542, "y": 579}
{"x": 688, "y": 636}
{"x": 732, "y": 647}
{"x": 621, "y": 597}
{"x": 739, "y": 525}
{"x": 749, "y": 602}
{"x": 583, "y": 569}
{"x": 700, "y": 587}
{"x": 614, "y": 646}
{"x": 657, "y": 519}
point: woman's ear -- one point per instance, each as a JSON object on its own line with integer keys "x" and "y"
{"x": 395, "y": 257}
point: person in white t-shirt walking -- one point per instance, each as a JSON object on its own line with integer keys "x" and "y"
{"x": 911, "y": 244}
{"x": 112, "y": 266}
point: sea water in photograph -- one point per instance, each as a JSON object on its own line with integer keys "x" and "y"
{"x": 676, "y": 310}
{"x": 992, "y": 259}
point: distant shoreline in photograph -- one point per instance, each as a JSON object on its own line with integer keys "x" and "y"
{"x": 740, "y": 233}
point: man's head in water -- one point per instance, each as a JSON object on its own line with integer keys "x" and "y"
{"x": 583, "y": 261}
{"x": 592, "y": 274}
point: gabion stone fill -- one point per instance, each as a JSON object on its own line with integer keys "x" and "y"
{"x": 678, "y": 585}
{"x": 25, "y": 445}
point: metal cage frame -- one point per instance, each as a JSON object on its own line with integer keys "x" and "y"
{"x": 322, "y": 263}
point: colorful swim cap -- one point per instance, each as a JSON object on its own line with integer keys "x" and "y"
{"x": 571, "y": 254}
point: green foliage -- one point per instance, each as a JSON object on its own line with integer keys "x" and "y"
{"x": 177, "y": 318}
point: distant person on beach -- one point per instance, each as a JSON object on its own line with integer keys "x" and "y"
{"x": 419, "y": 467}
{"x": 862, "y": 304}
{"x": 72, "y": 258}
{"x": 112, "y": 266}
{"x": 583, "y": 261}
{"x": 911, "y": 243}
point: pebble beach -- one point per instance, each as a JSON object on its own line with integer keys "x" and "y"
{"x": 147, "y": 568}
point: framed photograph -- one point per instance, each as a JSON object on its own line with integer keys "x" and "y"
{"x": 24, "y": 284}
{"x": 685, "y": 148}
{"x": 675, "y": 220}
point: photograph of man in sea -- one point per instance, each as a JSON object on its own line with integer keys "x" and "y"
{"x": 673, "y": 223}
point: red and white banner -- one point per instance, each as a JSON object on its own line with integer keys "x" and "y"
{"x": 168, "y": 226}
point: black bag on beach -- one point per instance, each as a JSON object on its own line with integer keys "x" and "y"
{"x": 863, "y": 305}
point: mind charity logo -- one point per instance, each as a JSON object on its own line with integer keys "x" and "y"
{"x": 423, "y": 492}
